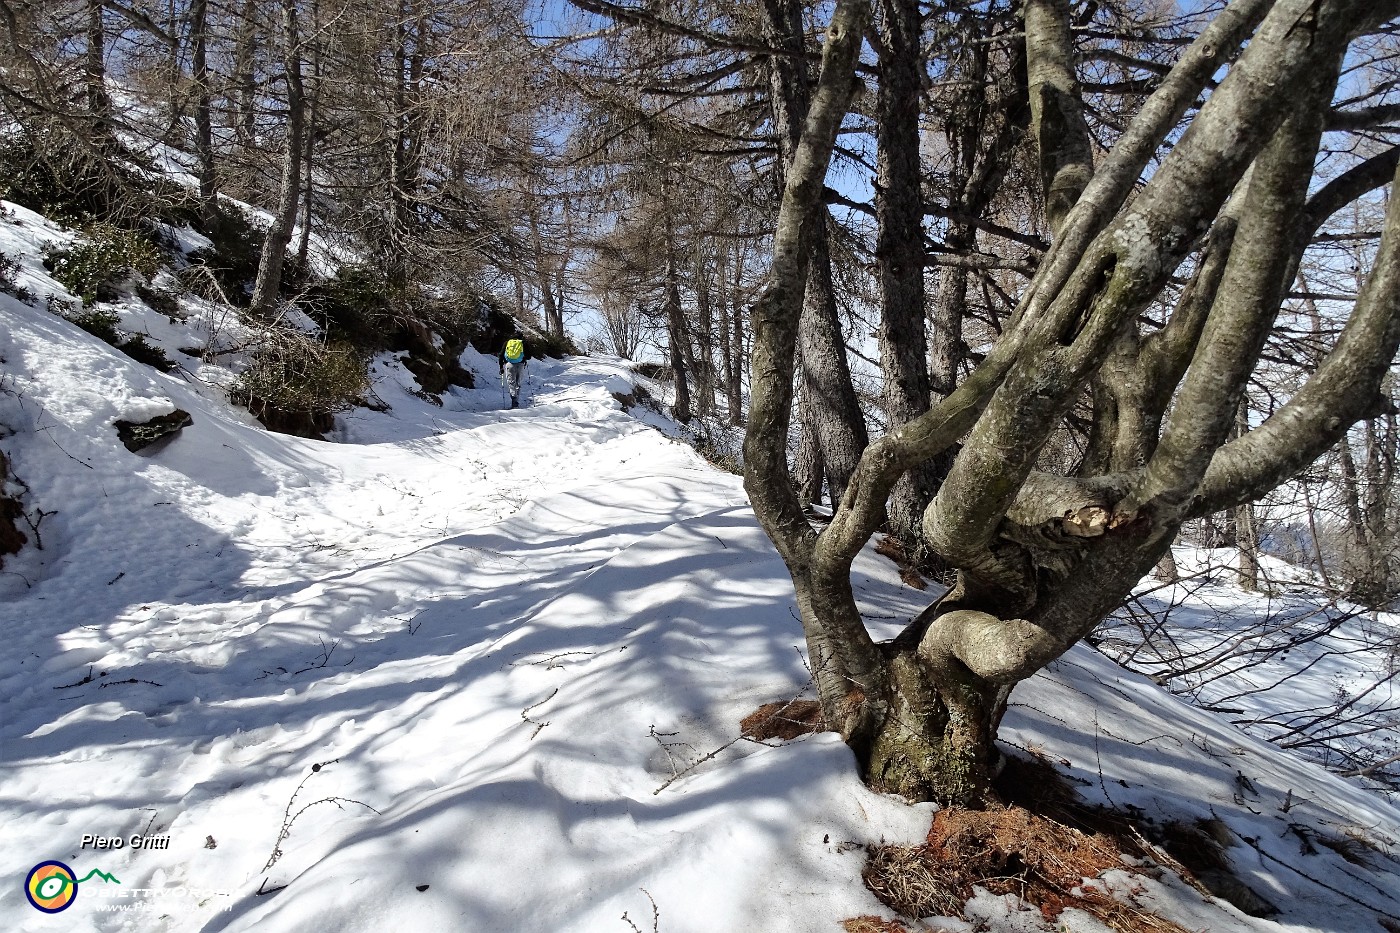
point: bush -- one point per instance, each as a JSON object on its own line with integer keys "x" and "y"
{"x": 46, "y": 172}
{"x": 102, "y": 324}
{"x": 108, "y": 256}
{"x": 545, "y": 344}
{"x": 162, "y": 300}
{"x": 8, "y": 268}
{"x": 232, "y": 259}
{"x": 294, "y": 374}
{"x": 142, "y": 350}
{"x": 362, "y": 307}
{"x": 355, "y": 306}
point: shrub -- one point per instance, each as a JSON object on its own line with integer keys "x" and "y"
{"x": 108, "y": 256}
{"x": 355, "y": 306}
{"x": 232, "y": 258}
{"x": 296, "y": 373}
{"x": 545, "y": 344}
{"x": 8, "y": 268}
{"x": 102, "y": 324}
{"x": 162, "y": 300}
{"x": 47, "y": 173}
{"x": 142, "y": 350}
{"x": 47, "y": 170}
{"x": 361, "y": 306}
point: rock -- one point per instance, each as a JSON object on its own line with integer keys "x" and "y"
{"x": 138, "y": 435}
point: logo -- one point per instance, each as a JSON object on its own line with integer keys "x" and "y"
{"x": 52, "y": 886}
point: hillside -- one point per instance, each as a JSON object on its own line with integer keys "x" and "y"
{"x": 469, "y": 669}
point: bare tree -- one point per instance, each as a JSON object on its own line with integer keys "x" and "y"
{"x": 274, "y": 251}
{"x": 1043, "y": 556}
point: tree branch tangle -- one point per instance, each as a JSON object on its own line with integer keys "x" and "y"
{"x": 1045, "y": 548}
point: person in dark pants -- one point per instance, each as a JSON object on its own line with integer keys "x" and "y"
{"x": 512, "y": 362}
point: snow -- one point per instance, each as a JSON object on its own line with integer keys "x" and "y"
{"x": 482, "y": 670}
{"x": 1316, "y": 675}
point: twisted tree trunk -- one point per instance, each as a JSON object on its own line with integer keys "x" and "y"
{"x": 1042, "y": 558}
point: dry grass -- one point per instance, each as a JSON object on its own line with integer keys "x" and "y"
{"x": 1041, "y": 848}
{"x": 784, "y": 721}
{"x": 1010, "y": 851}
{"x": 873, "y": 924}
{"x": 1354, "y": 847}
{"x": 894, "y": 550}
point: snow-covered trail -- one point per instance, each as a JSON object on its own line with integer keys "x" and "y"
{"x": 435, "y": 676}
{"x": 472, "y": 620}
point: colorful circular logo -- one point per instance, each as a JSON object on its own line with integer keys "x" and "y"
{"x": 51, "y": 886}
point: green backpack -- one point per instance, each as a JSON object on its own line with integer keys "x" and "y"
{"x": 515, "y": 350}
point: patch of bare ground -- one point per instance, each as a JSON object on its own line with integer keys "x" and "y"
{"x": 783, "y": 721}
{"x": 872, "y": 924}
{"x": 1043, "y": 847}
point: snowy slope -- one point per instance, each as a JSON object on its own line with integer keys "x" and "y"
{"x": 249, "y": 605}
{"x": 441, "y": 675}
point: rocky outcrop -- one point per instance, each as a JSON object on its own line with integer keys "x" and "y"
{"x": 139, "y": 435}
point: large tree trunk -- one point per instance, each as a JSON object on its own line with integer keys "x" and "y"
{"x": 736, "y": 346}
{"x": 832, "y": 408}
{"x": 553, "y": 317}
{"x": 1246, "y": 528}
{"x": 203, "y": 122}
{"x": 899, "y": 249}
{"x": 727, "y": 359}
{"x": 831, "y": 415}
{"x": 308, "y": 186}
{"x": 705, "y": 322}
{"x": 274, "y": 251}
{"x": 1057, "y": 110}
{"x": 1365, "y": 495}
{"x": 675, "y": 336}
{"x": 99, "y": 103}
{"x": 404, "y": 176}
{"x": 808, "y": 468}
{"x": 245, "y": 56}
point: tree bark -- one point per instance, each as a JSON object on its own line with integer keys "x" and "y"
{"x": 244, "y": 65}
{"x": 899, "y": 248}
{"x": 727, "y": 360}
{"x": 99, "y": 103}
{"x": 831, "y": 417}
{"x": 833, "y": 410}
{"x": 1246, "y": 530}
{"x": 203, "y": 122}
{"x": 736, "y": 347}
{"x": 269, "y": 278}
{"x": 1043, "y": 558}
{"x": 705, "y": 358}
{"x": 308, "y": 185}
{"x": 1057, "y": 108}
{"x": 676, "y": 337}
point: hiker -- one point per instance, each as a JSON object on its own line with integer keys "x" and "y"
{"x": 512, "y": 362}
